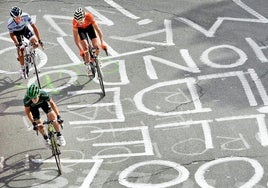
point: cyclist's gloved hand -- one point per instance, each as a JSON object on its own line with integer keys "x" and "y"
{"x": 35, "y": 126}
{"x": 81, "y": 53}
{"x": 18, "y": 45}
{"x": 40, "y": 42}
{"x": 103, "y": 46}
{"x": 59, "y": 119}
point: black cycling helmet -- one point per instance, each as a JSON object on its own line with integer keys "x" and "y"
{"x": 79, "y": 14}
{"x": 33, "y": 91}
{"x": 15, "y": 11}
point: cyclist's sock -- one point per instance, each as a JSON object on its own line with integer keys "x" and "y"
{"x": 45, "y": 137}
{"x": 58, "y": 134}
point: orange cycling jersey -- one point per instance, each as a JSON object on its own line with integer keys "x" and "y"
{"x": 89, "y": 19}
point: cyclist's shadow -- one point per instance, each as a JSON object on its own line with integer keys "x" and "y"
{"x": 21, "y": 167}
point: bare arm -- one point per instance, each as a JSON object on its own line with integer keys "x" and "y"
{"x": 36, "y": 31}
{"x": 77, "y": 39}
{"x": 54, "y": 106}
{"x": 29, "y": 114}
{"x": 14, "y": 38}
{"x": 99, "y": 32}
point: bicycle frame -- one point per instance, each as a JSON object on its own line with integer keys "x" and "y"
{"x": 54, "y": 145}
{"x": 92, "y": 53}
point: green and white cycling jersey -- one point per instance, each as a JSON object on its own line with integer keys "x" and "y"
{"x": 44, "y": 97}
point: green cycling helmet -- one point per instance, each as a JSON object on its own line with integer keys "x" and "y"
{"x": 33, "y": 91}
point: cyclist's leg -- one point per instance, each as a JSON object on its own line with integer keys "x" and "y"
{"x": 33, "y": 41}
{"x": 88, "y": 62}
{"x": 95, "y": 44}
{"x": 51, "y": 115}
{"x": 94, "y": 39}
{"x": 85, "y": 47}
{"x": 31, "y": 37}
{"x": 18, "y": 35}
{"x": 83, "y": 41}
{"x": 36, "y": 116}
{"x": 20, "y": 53}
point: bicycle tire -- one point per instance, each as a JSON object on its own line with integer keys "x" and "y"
{"x": 26, "y": 73}
{"x": 100, "y": 76}
{"x": 55, "y": 152}
{"x": 36, "y": 73}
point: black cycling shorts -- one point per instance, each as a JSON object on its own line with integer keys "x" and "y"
{"x": 26, "y": 32}
{"x": 89, "y": 30}
{"x": 35, "y": 110}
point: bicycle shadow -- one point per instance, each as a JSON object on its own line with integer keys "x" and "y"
{"x": 20, "y": 167}
{"x": 101, "y": 96}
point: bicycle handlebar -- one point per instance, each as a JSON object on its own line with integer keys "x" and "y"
{"x": 51, "y": 121}
{"x": 48, "y": 122}
{"x": 31, "y": 45}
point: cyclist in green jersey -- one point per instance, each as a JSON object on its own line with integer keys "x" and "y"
{"x": 35, "y": 99}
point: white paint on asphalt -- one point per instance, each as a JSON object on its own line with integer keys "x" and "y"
{"x": 183, "y": 174}
{"x": 258, "y": 171}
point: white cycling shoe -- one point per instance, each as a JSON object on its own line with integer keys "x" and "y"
{"x": 61, "y": 140}
{"x": 22, "y": 73}
{"x": 47, "y": 143}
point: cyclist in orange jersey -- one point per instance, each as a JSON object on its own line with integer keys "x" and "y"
{"x": 85, "y": 24}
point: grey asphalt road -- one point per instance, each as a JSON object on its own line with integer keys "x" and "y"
{"x": 186, "y": 96}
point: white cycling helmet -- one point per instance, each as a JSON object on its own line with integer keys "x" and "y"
{"x": 79, "y": 14}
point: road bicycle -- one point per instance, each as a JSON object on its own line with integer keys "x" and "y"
{"x": 96, "y": 65}
{"x": 55, "y": 146}
{"x": 30, "y": 60}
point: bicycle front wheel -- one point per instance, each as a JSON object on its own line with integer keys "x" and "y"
{"x": 26, "y": 70}
{"x": 56, "y": 152}
{"x": 36, "y": 73}
{"x": 100, "y": 77}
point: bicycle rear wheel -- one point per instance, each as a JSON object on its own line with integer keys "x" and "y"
{"x": 100, "y": 76}
{"x": 56, "y": 152}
